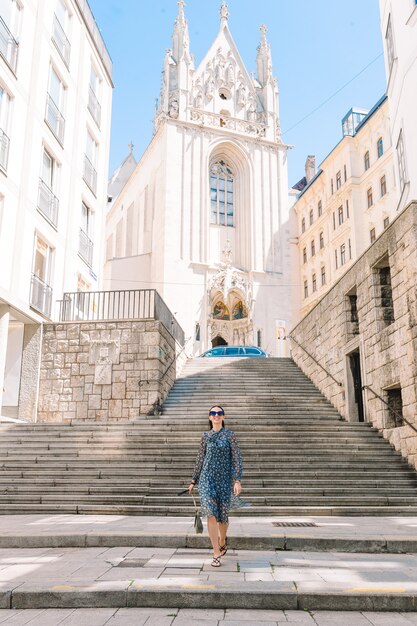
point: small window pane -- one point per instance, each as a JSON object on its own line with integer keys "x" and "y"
{"x": 221, "y": 184}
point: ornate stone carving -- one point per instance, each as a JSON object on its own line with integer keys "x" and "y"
{"x": 173, "y": 107}
{"x": 227, "y": 253}
{"x": 103, "y": 354}
{"x": 205, "y": 118}
{"x": 241, "y": 94}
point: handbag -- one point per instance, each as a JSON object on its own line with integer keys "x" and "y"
{"x": 198, "y": 522}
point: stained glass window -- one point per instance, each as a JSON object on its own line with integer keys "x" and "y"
{"x": 221, "y": 194}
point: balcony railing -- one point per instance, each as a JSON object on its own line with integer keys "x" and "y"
{"x": 48, "y": 203}
{"x": 9, "y": 47}
{"x": 139, "y": 304}
{"x": 40, "y": 296}
{"x": 94, "y": 106}
{"x": 61, "y": 41}
{"x": 4, "y": 150}
{"x": 55, "y": 119}
{"x": 86, "y": 247}
{"x": 90, "y": 175}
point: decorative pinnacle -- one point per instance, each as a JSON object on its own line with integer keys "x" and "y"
{"x": 131, "y": 146}
{"x": 263, "y": 28}
{"x": 181, "y": 15}
{"x": 224, "y": 11}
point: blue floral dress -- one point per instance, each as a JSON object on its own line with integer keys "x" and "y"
{"x": 217, "y": 466}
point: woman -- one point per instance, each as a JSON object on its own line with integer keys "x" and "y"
{"x": 218, "y": 472}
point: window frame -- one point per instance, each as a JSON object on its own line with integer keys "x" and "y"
{"x": 369, "y": 197}
{"x": 223, "y": 177}
{"x": 380, "y": 147}
{"x": 366, "y": 161}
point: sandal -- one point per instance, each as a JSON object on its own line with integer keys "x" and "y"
{"x": 223, "y": 549}
{"x": 216, "y": 561}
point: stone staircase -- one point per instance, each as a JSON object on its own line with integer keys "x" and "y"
{"x": 300, "y": 457}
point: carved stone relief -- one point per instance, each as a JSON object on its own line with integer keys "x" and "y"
{"x": 103, "y": 354}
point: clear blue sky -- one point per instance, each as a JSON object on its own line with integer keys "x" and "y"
{"x": 317, "y": 47}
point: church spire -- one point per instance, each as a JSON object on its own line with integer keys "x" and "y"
{"x": 224, "y": 14}
{"x": 264, "y": 58}
{"x": 180, "y": 37}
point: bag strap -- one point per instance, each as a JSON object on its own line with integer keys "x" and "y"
{"x": 195, "y": 503}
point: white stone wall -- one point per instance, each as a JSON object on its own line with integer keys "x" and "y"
{"x": 388, "y": 353}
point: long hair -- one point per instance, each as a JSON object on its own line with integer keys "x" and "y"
{"x": 210, "y": 422}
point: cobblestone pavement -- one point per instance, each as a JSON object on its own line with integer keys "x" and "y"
{"x": 202, "y": 617}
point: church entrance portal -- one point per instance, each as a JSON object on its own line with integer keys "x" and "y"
{"x": 218, "y": 341}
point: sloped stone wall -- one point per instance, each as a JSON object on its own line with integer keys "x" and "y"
{"x": 388, "y": 351}
{"x": 104, "y": 370}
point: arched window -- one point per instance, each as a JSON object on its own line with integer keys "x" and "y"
{"x": 221, "y": 194}
{"x": 380, "y": 147}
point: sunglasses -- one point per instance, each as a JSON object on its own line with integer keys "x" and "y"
{"x": 213, "y": 413}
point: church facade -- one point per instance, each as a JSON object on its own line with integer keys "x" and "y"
{"x": 204, "y": 217}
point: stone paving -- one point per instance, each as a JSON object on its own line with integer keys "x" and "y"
{"x": 202, "y": 617}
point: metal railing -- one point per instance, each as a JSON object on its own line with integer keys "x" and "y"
{"x": 94, "y": 106}
{"x": 4, "y": 150}
{"x": 61, "y": 41}
{"x": 48, "y": 203}
{"x": 9, "y": 47}
{"x": 40, "y": 296}
{"x": 86, "y": 247}
{"x": 137, "y": 304}
{"x": 315, "y": 361}
{"x": 90, "y": 175}
{"x": 55, "y": 119}
{"x": 398, "y": 416}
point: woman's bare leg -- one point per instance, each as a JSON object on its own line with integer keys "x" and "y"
{"x": 223, "y": 533}
{"x": 213, "y": 534}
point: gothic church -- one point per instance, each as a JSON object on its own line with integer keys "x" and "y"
{"x": 204, "y": 216}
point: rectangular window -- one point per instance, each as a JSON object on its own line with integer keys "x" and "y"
{"x": 401, "y": 160}
{"x": 5, "y": 107}
{"x": 386, "y": 222}
{"x": 320, "y": 208}
{"x": 90, "y": 163}
{"x": 387, "y": 303}
{"x": 395, "y": 408}
{"x": 340, "y": 215}
{"x": 323, "y": 275}
{"x": 40, "y": 289}
{"x": 350, "y": 249}
{"x": 313, "y": 247}
{"x": 389, "y": 40}
{"x": 304, "y": 255}
{"x": 321, "y": 241}
{"x": 345, "y": 173}
{"x": 366, "y": 160}
{"x": 314, "y": 283}
{"x": 369, "y": 197}
{"x": 338, "y": 179}
{"x": 85, "y": 249}
{"x": 311, "y": 217}
{"x": 48, "y": 203}
{"x": 197, "y": 332}
{"x": 383, "y": 185}
{"x": 60, "y": 31}
{"x": 335, "y": 259}
{"x": 334, "y": 220}
{"x": 9, "y": 32}
{"x": 353, "y": 314}
{"x": 303, "y": 225}
{"x": 94, "y": 89}
{"x": 55, "y": 101}
{"x": 305, "y": 289}
{"x": 331, "y": 186}
{"x": 372, "y": 235}
{"x": 342, "y": 254}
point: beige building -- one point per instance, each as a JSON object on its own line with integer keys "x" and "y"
{"x": 346, "y": 205}
{"x": 399, "y": 32}
{"x": 55, "y": 108}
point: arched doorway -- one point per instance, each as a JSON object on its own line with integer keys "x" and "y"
{"x": 218, "y": 341}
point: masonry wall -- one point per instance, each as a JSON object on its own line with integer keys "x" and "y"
{"x": 104, "y": 370}
{"x": 388, "y": 351}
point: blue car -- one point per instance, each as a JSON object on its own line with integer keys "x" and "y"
{"x": 239, "y": 351}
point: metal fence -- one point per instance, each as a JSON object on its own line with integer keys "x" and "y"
{"x": 40, "y": 295}
{"x": 55, "y": 119}
{"x": 4, "y": 150}
{"x": 48, "y": 203}
{"x": 61, "y": 41}
{"x": 9, "y": 47}
{"x": 138, "y": 304}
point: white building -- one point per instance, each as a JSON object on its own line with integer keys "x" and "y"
{"x": 343, "y": 208}
{"x": 55, "y": 108}
{"x": 399, "y": 31}
{"x": 204, "y": 217}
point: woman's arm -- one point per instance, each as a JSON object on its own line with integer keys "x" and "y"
{"x": 198, "y": 463}
{"x": 236, "y": 458}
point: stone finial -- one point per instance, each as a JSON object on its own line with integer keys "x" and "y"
{"x": 131, "y": 146}
{"x": 224, "y": 13}
{"x": 181, "y": 14}
{"x": 264, "y": 29}
{"x": 264, "y": 60}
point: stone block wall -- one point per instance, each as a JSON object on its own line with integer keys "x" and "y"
{"x": 387, "y": 349}
{"x": 104, "y": 370}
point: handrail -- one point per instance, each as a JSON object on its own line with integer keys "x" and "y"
{"x": 401, "y": 417}
{"x": 156, "y": 404}
{"x": 315, "y": 361}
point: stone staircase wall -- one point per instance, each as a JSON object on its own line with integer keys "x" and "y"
{"x": 99, "y": 371}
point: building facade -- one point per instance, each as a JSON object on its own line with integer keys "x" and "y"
{"x": 204, "y": 216}
{"x": 346, "y": 205}
{"x": 55, "y": 108}
{"x": 399, "y": 32}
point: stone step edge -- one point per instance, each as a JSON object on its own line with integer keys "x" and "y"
{"x": 279, "y": 541}
{"x": 255, "y": 595}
